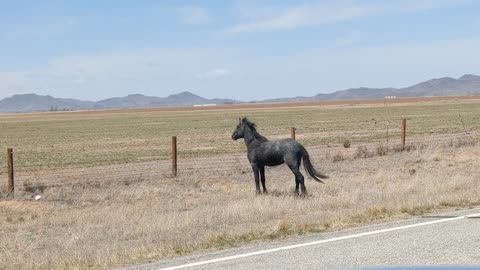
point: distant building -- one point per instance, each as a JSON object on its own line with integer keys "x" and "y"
{"x": 204, "y": 105}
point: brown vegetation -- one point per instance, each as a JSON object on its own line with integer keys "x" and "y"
{"x": 110, "y": 223}
{"x": 107, "y": 197}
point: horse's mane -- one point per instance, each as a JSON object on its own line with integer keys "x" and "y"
{"x": 253, "y": 127}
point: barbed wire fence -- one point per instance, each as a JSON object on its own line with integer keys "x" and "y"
{"x": 35, "y": 177}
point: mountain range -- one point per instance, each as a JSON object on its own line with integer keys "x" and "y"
{"x": 33, "y": 102}
{"x": 465, "y": 85}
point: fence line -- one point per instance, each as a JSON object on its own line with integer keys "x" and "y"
{"x": 222, "y": 164}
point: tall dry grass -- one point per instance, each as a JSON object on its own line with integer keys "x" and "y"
{"x": 100, "y": 225}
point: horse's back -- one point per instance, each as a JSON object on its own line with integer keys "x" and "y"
{"x": 273, "y": 153}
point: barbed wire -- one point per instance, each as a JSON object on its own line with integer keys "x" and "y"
{"x": 34, "y": 177}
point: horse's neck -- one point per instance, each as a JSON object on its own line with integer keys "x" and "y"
{"x": 250, "y": 137}
{"x": 259, "y": 136}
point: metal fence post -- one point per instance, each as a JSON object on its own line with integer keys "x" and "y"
{"x": 292, "y": 133}
{"x": 404, "y": 131}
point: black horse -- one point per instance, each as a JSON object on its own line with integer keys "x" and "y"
{"x": 262, "y": 152}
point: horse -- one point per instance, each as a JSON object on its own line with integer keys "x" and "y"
{"x": 262, "y": 152}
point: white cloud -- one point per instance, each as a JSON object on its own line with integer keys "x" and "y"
{"x": 194, "y": 15}
{"x": 214, "y": 73}
{"x": 331, "y": 12}
{"x": 300, "y": 16}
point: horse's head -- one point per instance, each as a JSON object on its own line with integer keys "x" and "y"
{"x": 240, "y": 130}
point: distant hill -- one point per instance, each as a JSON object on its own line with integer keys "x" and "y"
{"x": 141, "y": 101}
{"x": 465, "y": 85}
{"x": 33, "y": 102}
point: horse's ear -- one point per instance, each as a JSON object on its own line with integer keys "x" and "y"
{"x": 244, "y": 120}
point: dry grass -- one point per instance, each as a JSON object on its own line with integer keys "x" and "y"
{"x": 112, "y": 223}
{"x": 84, "y": 139}
{"x": 108, "y": 198}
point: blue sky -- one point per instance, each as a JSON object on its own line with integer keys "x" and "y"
{"x": 246, "y": 50}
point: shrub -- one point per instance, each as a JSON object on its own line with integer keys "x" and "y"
{"x": 338, "y": 157}
{"x": 407, "y": 148}
{"x": 382, "y": 150}
{"x": 346, "y": 143}
{"x": 410, "y": 147}
{"x": 463, "y": 141}
{"x": 362, "y": 152}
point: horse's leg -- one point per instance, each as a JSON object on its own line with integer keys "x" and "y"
{"x": 299, "y": 180}
{"x": 302, "y": 184}
{"x": 262, "y": 178}
{"x": 297, "y": 183}
{"x": 256, "y": 172}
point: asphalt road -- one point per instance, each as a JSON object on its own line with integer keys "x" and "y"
{"x": 446, "y": 239}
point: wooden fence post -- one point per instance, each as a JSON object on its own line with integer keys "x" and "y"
{"x": 404, "y": 131}
{"x": 174, "y": 155}
{"x": 292, "y": 133}
{"x": 11, "y": 183}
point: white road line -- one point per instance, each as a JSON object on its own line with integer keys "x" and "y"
{"x": 317, "y": 242}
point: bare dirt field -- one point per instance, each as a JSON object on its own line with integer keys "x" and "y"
{"x": 108, "y": 198}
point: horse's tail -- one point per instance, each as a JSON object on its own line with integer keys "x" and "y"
{"x": 309, "y": 167}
